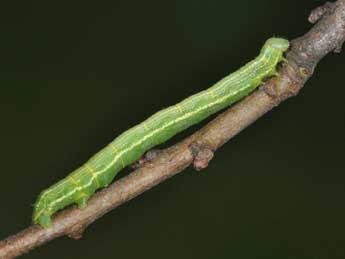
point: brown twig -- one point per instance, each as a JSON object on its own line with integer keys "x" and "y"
{"x": 326, "y": 36}
{"x": 320, "y": 11}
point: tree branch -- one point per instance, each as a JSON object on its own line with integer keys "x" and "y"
{"x": 327, "y": 35}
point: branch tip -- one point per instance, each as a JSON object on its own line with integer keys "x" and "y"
{"x": 321, "y": 11}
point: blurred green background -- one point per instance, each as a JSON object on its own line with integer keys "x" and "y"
{"x": 75, "y": 74}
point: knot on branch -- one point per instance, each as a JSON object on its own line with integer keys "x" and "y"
{"x": 202, "y": 154}
{"x": 76, "y": 232}
{"x": 288, "y": 83}
{"x": 148, "y": 157}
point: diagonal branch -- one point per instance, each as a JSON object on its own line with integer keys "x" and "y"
{"x": 327, "y": 35}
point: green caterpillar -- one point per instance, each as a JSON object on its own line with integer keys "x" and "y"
{"x": 101, "y": 169}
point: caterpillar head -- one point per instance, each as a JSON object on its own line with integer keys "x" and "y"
{"x": 279, "y": 44}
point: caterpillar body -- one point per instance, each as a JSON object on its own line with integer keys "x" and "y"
{"x": 101, "y": 169}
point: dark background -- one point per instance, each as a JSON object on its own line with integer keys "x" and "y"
{"x": 75, "y": 74}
